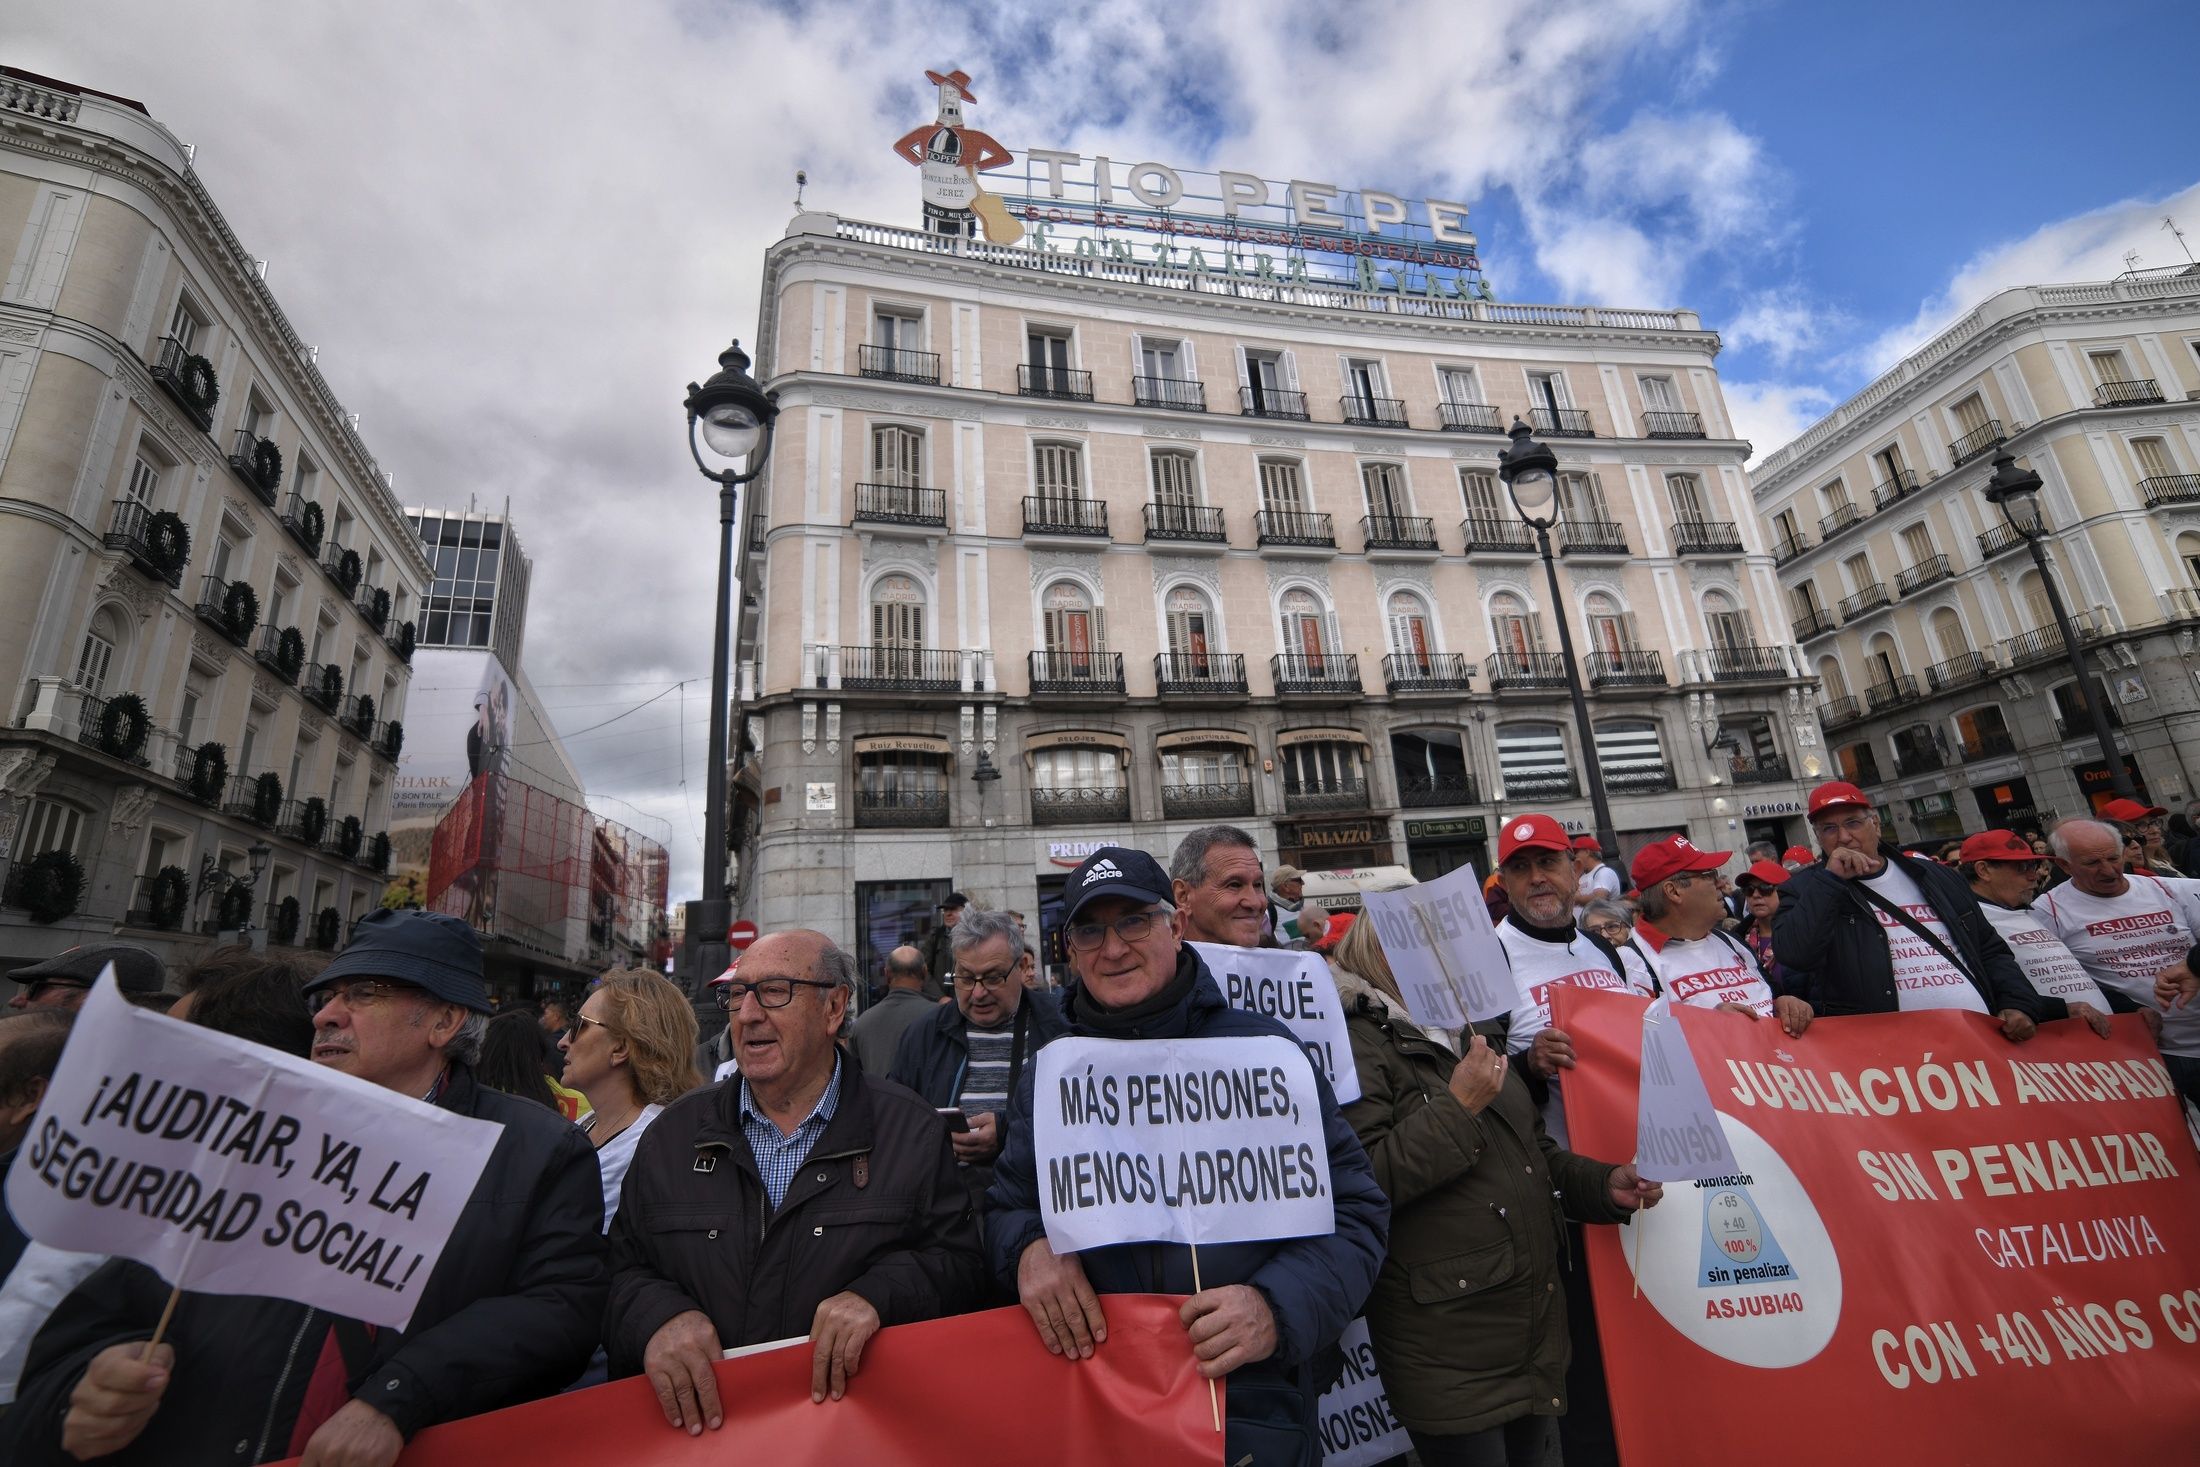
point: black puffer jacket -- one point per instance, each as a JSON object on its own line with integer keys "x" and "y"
{"x": 876, "y": 1209}
{"x": 509, "y": 1315}
{"x": 1833, "y": 952}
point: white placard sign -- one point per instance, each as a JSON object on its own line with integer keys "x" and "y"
{"x": 231, "y": 1168}
{"x": 1297, "y": 990}
{"x": 1443, "y": 951}
{"x": 1678, "y": 1137}
{"x": 1179, "y": 1141}
{"x": 1353, "y": 1416}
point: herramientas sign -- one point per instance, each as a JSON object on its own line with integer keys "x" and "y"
{"x": 1343, "y": 231}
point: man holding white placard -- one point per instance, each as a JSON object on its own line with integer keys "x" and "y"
{"x": 1260, "y": 1313}
{"x": 508, "y": 1311}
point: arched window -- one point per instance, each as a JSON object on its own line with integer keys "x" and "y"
{"x": 1948, "y": 638}
{"x": 1073, "y": 631}
{"x": 1513, "y": 632}
{"x": 1609, "y": 631}
{"x": 2038, "y": 612}
{"x": 1830, "y": 675}
{"x": 1727, "y": 623}
{"x": 1631, "y": 755}
{"x": 1409, "y": 630}
{"x": 1304, "y": 631}
{"x": 2188, "y": 555}
{"x": 897, "y": 626}
{"x": 96, "y": 658}
{"x": 1192, "y": 630}
{"x": 1884, "y": 661}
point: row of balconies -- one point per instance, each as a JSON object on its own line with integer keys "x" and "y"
{"x": 1964, "y": 670}
{"x": 1182, "y": 394}
{"x": 286, "y": 921}
{"x": 1055, "y": 516}
{"x": 158, "y": 546}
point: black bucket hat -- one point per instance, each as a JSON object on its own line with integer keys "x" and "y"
{"x": 435, "y": 953}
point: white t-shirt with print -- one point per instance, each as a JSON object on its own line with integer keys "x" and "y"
{"x": 2124, "y": 941}
{"x": 2045, "y": 960}
{"x": 1537, "y": 968}
{"x": 1923, "y": 979}
{"x": 1708, "y": 971}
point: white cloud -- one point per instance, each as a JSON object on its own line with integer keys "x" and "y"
{"x": 1785, "y": 322}
{"x": 1771, "y": 414}
{"x": 2088, "y": 246}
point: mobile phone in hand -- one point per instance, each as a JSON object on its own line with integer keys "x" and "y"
{"x": 957, "y": 1122}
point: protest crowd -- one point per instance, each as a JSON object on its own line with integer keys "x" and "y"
{"x": 654, "y": 1198}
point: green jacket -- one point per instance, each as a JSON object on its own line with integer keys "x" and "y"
{"x": 1468, "y": 1316}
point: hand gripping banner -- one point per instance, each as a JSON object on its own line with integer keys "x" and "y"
{"x": 1936, "y": 1243}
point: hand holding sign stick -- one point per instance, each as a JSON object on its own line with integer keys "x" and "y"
{"x": 1214, "y": 1397}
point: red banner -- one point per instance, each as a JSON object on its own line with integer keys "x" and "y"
{"x": 1940, "y": 1245}
{"x": 961, "y": 1392}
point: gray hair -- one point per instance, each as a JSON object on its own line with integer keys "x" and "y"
{"x": 465, "y": 1045}
{"x": 983, "y": 924}
{"x": 1189, "y": 864}
{"x": 1608, "y": 909}
{"x": 1763, "y": 850}
{"x": 1654, "y": 905}
{"x": 835, "y": 966}
{"x": 2058, "y": 840}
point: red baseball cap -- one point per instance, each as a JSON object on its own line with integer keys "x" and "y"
{"x": 1997, "y": 845}
{"x": 2130, "y": 812}
{"x": 1530, "y": 833}
{"x": 1834, "y": 796}
{"x": 727, "y": 976}
{"x": 1771, "y": 873}
{"x": 1669, "y": 858}
{"x": 1798, "y": 853}
{"x": 1588, "y": 843}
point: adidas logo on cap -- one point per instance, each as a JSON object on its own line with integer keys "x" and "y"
{"x": 1103, "y": 870}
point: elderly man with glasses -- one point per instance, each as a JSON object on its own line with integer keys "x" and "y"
{"x": 1269, "y": 1313}
{"x": 1869, "y": 930}
{"x": 966, "y": 1057}
{"x": 510, "y": 1313}
{"x": 797, "y": 1197}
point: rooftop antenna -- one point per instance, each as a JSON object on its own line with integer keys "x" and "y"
{"x": 2171, "y": 225}
{"x": 2131, "y": 260}
{"x": 801, "y": 182}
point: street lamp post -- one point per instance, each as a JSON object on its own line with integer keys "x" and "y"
{"x": 1530, "y": 472}
{"x": 734, "y": 417}
{"x": 256, "y": 856}
{"x": 2016, "y": 492}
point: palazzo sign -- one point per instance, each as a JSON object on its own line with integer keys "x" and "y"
{"x": 1223, "y": 222}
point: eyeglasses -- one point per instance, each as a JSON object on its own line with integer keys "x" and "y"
{"x": 771, "y": 993}
{"x": 358, "y": 993}
{"x": 1610, "y": 931}
{"x": 1132, "y": 927}
{"x": 1854, "y": 825}
{"x": 582, "y": 1021}
{"x": 40, "y": 985}
{"x": 997, "y": 982}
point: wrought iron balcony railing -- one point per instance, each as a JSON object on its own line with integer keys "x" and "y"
{"x": 1420, "y": 791}
{"x": 262, "y": 473}
{"x": 1839, "y": 713}
{"x": 321, "y": 690}
{"x": 213, "y": 608}
{"x": 1469, "y": 417}
{"x": 891, "y": 668}
{"x": 1706, "y": 537}
{"x": 171, "y": 367}
{"x": 1541, "y": 784}
{"x": 1184, "y": 522}
{"x": 1639, "y": 780}
{"x": 1888, "y": 491}
{"x": 1957, "y": 672}
{"x": 1170, "y": 392}
{"x": 1373, "y": 412}
{"x": 1986, "y": 746}
{"x": 1510, "y": 672}
{"x": 1293, "y": 527}
{"x": 1999, "y": 540}
{"x": 1064, "y": 384}
{"x": 1894, "y": 693}
{"x": 1397, "y": 532}
{"x": 900, "y": 504}
{"x": 1059, "y": 514}
{"x": 1206, "y": 801}
{"x": 1631, "y": 668}
{"x": 1562, "y": 422}
{"x": 1272, "y": 402}
{"x": 1428, "y": 672}
{"x": 2127, "y": 394}
{"x": 1917, "y": 759}
{"x": 1924, "y": 573}
{"x": 131, "y": 532}
{"x": 1674, "y": 425}
{"x": 1323, "y": 672}
{"x": 91, "y": 728}
{"x": 2161, "y": 489}
{"x": 2042, "y": 642}
{"x": 1985, "y": 437}
{"x": 1788, "y": 547}
{"x": 900, "y": 809}
{"x": 1814, "y": 623}
{"x": 895, "y": 364}
{"x": 1870, "y": 598}
{"x": 1591, "y": 537}
{"x": 1839, "y": 518}
{"x": 1199, "y": 672}
{"x": 1485, "y": 532}
{"x": 1088, "y": 673}
{"x": 1310, "y": 799}
{"x": 1080, "y": 806}
{"x": 1746, "y": 662}
{"x": 1745, "y": 770}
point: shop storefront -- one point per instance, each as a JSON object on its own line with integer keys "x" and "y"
{"x": 1934, "y": 817}
{"x": 2007, "y": 805}
{"x": 1437, "y": 847}
{"x": 1325, "y": 845}
{"x": 2094, "y": 785}
{"x": 1778, "y": 821}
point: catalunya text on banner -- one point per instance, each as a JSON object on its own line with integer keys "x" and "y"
{"x": 1984, "y": 1251}
{"x": 1139, "y": 1400}
{"x": 1296, "y": 989}
{"x": 231, "y": 1168}
{"x": 1179, "y": 1141}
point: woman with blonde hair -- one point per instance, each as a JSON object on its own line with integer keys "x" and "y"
{"x": 631, "y": 1051}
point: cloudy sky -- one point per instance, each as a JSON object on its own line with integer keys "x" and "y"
{"x": 517, "y": 230}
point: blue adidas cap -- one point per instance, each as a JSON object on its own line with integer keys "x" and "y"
{"x": 1114, "y": 871}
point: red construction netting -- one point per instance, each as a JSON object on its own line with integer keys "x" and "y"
{"x": 518, "y": 862}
